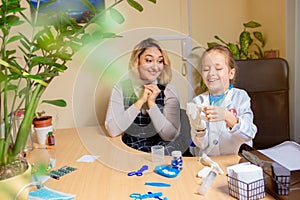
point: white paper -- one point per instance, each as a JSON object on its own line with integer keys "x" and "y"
{"x": 286, "y": 154}
{"x": 88, "y": 158}
{"x": 246, "y": 174}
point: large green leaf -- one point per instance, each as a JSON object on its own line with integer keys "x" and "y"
{"x": 135, "y": 5}
{"x": 13, "y": 20}
{"x": 245, "y": 42}
{"x": 61, "y": 55}
{"x": 259, "y": 36}
{"x": 15, "y": 10}
{"x": 252, "y": 24}
{"x": 23, "y": 91}
{"x": 24, "y": 44}
{"x": 116, "y": 16}
{"x": 12, "y": 87}
{"x": 57, "y": 102}
{"x": 3, "y": 77}
{"x": 10, "y": 52}
{"x": 11, "y": 67}
{"x": 60, "y": 67}
{"x": 86, "y": 39}
{"x": 153, "y": 1}
{"x": 234, "y": 50}
{"x": 259, "y": 53}
{"x": 44, "y": 43}
{"x": 212, "y": 44}
{"x": 34, "y": 77}
{"x": 13, "y": 38}
{"x": 12, "y": 2}
{"x": 218, "y": 38}
{"x": 109, "y": 35}
{"x": 47, "y": 75}
{"x": 41, "y": 59}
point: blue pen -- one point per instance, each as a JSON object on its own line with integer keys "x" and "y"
{"x": 158, "y": 184}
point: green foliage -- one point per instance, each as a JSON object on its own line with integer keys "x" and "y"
{"x": 53, "y": 41}
{"x": 250, "y": 44}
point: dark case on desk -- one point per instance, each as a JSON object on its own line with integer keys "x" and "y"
{"x": 280, "y": 182}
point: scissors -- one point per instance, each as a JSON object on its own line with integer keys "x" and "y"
{"x": 139, "y": 172}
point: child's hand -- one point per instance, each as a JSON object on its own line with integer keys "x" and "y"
{"x": 214, "y": 113}
{"x": 193, "y": 112}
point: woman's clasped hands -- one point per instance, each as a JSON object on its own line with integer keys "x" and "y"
{"x": 151, "y": 91}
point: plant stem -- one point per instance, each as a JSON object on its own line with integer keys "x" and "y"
{"x": 25, "y": 126}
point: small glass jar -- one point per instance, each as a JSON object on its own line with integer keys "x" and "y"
{"x": 51, "y": 138}
{"x": 176, "y": 162}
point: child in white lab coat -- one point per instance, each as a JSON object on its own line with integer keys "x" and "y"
{"x": 221, "y": 118}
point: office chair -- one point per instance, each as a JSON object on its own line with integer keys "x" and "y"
{"x": 266, "y": 81}
{"x": 183, "y": 140}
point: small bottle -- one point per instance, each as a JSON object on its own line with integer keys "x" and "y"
{"x": 51, "y": 138}
{"x": 176, "y": 162}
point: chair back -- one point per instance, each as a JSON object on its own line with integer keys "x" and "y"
{"x": 183, "y": 140}
{"x": 266, "y": 81}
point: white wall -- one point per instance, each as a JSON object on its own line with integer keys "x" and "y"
{"x": 297, "y": 74}
{"x": 223, "y": 18}
{"x": 293, "y": 51}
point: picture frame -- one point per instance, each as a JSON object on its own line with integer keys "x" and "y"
{"x": 271, "y": 54}
{"x": 74, "y": 8}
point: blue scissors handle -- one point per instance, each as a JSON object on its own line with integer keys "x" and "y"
{"x": 139, "y": 172}
{"x": 134, "y": 173}
{"x": 131, "y": 173}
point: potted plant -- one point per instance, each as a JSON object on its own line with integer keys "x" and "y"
{"x": 42, "y": 120}
{"x": 248, "y": 42}
{"x": 54, "y": 40}
{"x": 42, "y": 125}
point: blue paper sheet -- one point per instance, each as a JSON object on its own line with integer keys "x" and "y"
{"x": 46, "y": 193}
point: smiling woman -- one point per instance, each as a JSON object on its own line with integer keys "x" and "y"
{"x": 144, "y": 105}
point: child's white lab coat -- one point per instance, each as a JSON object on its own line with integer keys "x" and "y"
{"x": 219, "y": 138}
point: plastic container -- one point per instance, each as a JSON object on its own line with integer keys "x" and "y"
{"x": 207, "y": 182}
{"x": 176, "y": 162}
{"x": 248, "y": 191}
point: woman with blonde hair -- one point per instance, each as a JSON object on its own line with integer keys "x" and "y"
{"x": 144, "y": 108}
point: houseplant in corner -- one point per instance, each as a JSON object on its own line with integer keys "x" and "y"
{"x": 28, "y": 64}
{"x": 247, "y": 43}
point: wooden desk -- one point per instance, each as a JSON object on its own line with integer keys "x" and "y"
{"x": 107, "y": 177}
